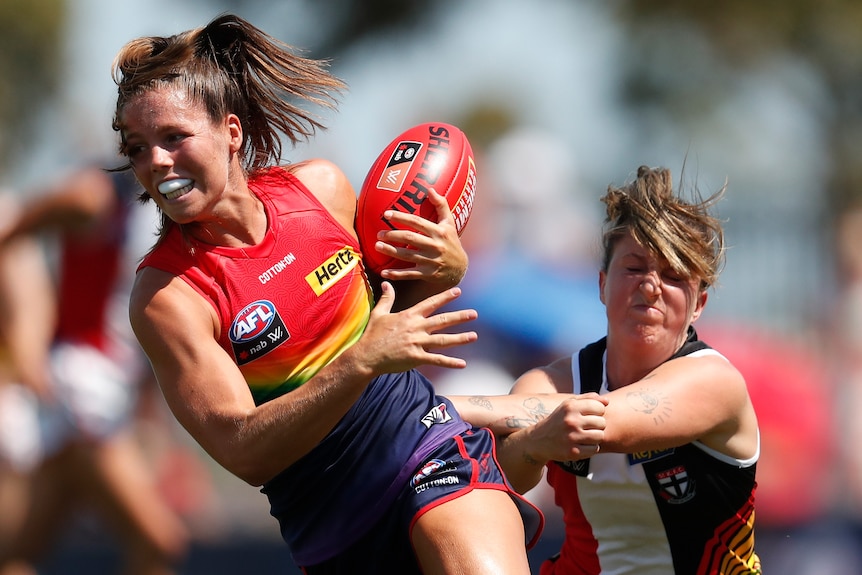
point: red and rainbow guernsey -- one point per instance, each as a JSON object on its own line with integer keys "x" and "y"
{"x": 287, "y": 306}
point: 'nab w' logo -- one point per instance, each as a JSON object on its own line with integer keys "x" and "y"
{"x": 256, "y": 330}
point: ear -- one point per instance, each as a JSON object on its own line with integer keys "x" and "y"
{"x": 603, "y": 277}
{"x": 699, "y": 305}
{"x": 234, "y": 127}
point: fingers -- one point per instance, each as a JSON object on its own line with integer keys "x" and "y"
{"x": 386, "y": 301}
{"x": 432, "y": 303}
{"x": 427, "y": 308}
{"x": 593, "y": 395}
{"x": 407, "y": 225}
{"x": 414, "y": 336}
{"x": 585, "y": 405}
{"x": 432, "y": 247}
{"x": 440, "y": 203}
{"x": 576, "y": 428}
{"x": 419, "y": 223}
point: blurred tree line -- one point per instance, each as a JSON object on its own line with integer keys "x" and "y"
{"x": 823, "y": 34}
{"x": 741, "y": 35}
{"x": 30, "y": 66}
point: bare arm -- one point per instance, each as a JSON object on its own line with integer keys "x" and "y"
{"x": 683, "y": 400}
{"x": 75, "y": 202}
{"x": 207, "y": 393}
{"x": 536, "y": 423}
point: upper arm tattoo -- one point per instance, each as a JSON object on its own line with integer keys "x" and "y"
{"x": 650, "y": 402}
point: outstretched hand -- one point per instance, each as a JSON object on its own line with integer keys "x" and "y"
{"x": 395, "y": 342}
{"x": 434, "y": 247}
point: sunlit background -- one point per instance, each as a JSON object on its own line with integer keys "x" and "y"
{"x": 560, "y": 98}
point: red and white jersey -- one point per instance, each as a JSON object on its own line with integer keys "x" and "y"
{"x": 687, "y": 510}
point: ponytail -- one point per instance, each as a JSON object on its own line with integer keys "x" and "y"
{"x": 232, "y": 67}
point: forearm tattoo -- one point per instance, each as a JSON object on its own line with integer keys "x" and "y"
{"x": 481, "y": 401}
{"x": 650, "y": 402}
{"x": 534, "y": 411}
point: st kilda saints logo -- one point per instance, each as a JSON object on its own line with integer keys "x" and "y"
{"x": 256, "y": 330}
{"x": 676, "y": 486}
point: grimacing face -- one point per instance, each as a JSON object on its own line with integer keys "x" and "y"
{"x": 179, "y": 155}
{"x": 644, "y": 297}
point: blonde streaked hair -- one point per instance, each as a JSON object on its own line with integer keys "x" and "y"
{"x": 682, "y": 233}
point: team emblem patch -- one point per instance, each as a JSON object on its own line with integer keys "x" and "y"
{"x": 438, "y": 414}
{"x": 676, "y": 486}
{"x": 256, "y": 330}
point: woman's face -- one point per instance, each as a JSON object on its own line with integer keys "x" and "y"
{"x": 183, "y": 159}
{"x": 645, "y": 299}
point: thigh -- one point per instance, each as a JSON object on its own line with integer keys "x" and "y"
{"x": 117, "y": 479}
{"x": 466, "y": 518}
{"x": 480, "y": 532}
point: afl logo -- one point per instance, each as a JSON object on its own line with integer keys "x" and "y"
{"x": 256, "y": 330}
{"x": 426, "y": 470}
{"x": 252, "y": 321}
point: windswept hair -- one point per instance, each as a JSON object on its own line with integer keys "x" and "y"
{"x": 682, "y": 233}
{"x": 230, "y": 66}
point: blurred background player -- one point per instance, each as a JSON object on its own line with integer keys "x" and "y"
{"x": 77, "y": 448}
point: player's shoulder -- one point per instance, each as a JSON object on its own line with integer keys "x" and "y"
{"x": 325, "y": 179}
{"x": 318, "y": 172}
{"x": 160, "y": 300}
{"x": 556, "y": 377}
{"x": 714, "y": 371}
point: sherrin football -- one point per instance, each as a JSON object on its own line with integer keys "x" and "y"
{"x": 431, "y": 155}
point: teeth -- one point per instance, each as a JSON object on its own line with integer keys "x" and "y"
{"x": 171, "y": 186}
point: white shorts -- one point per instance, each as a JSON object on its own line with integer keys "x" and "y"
{"x": 20, "y": 438}
{"x": 93, "y": 397}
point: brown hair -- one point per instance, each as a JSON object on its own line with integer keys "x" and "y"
{"x": 682, "y": 233}
{"x": 231, "y": 66}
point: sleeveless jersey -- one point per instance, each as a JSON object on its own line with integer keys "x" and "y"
{"x": 686, "y": 510}
{"x": 288, "y": 306}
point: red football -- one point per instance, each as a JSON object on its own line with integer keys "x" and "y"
{"x": 432, "y": 155}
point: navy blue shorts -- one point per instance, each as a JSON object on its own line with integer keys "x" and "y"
{"x": 461, "y": 464}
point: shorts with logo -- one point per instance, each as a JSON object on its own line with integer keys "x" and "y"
{"x": 461, "y": 464}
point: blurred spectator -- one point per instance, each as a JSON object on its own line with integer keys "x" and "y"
{"x": 530, "y": 242}
{"x": 82, "y": 452}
